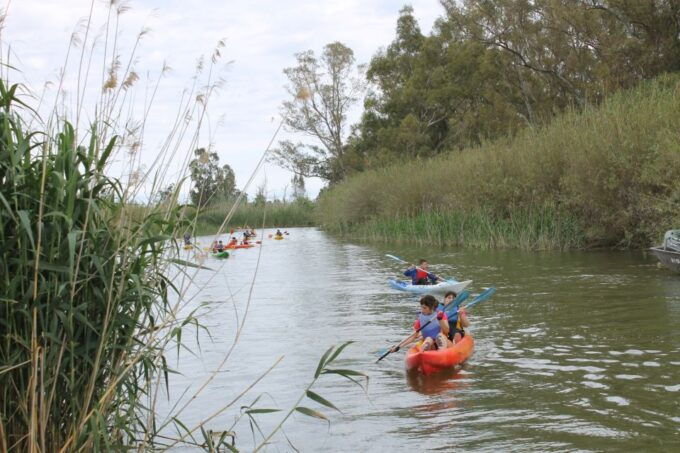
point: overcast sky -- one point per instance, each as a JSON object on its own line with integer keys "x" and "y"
{"x": 261, "y": 39}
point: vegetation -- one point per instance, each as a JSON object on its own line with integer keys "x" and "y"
{"x": 273, "y": 213}
{"x": 600, "y": 176}
{"x": 85, "y": 294}
{"x": 90, "y": 302}
{"x": 491, "y": 68}
{"x": 211, "y": 183}
{"x": 322, "y": 92}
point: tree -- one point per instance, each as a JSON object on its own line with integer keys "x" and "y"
{"x": 298, "y": 183}
{"x": 167, "y": 194}
{"x": 322, "y": 90}
{"x": 260, "y": 196}
{"x": 211, "y": 182}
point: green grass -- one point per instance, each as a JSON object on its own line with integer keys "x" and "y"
{"x": 607, "y": 176}
{"x": 274, "y": 214}
{"x": 543, "y": 229}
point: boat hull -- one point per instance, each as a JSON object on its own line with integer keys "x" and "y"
{"x": 439, "y": 288}
{"x": 669, "y": 258}
{"x": 430, "y": 362}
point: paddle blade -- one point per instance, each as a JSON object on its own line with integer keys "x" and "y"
{"x": 461, "y": 297}
{"x": 484, "y": 295}
{"x": 452, "y": 309}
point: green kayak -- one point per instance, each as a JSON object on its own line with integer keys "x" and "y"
{"x": 221, "y": 255}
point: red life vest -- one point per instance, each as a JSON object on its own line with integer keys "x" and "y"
{"x": 420, "y": 274}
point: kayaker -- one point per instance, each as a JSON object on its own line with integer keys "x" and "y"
{"x": 220, "y": 246}
{"x": 419, "y": 275}
{"x": 278, "y": 233}
{"x": 187, "y": 239}
{"x": 233, "y": 242}
{"x": 457, "y": 321}
{"x": 435, "y": 326}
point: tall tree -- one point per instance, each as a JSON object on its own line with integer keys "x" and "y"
{"x": 211, "y": 182}
{"x": 322, "y": 92}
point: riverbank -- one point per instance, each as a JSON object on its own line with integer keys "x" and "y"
{"x": 606, "y": 177}
{"x": 270, "y": 215}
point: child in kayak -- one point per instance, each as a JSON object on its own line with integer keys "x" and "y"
{"x": 419, "y": 275}
{"x": 458, "y": 321}
{"x": 434, "y": 324}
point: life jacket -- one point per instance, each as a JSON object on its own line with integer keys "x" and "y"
{"x": 432, "y": 329}
{"x": 454, "y": 323}
{"x": 420, "y": 274}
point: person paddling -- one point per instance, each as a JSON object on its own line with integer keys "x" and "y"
{"x": 419, "y": 275}
{"x": 435, "y": 326}
{"x": 458, "y": 321}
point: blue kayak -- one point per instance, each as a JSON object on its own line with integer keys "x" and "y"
{"x": 439, "y": 288}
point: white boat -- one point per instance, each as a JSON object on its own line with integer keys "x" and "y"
{"x": 439, "y": 288}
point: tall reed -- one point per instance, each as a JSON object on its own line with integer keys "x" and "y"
{"x": 604, "y": 177}
{"x": 84, "y": 290}
{"x": 92, "y": 294}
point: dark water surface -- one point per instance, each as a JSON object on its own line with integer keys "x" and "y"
{"x": 577, "y": 351}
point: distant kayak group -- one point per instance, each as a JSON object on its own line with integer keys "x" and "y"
{"x": 219, "y": 249}
{"x": 439, "y": 338}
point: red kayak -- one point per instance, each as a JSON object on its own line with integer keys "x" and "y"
{"x": 429, "y": 362}
{"x": 239, "y": 246}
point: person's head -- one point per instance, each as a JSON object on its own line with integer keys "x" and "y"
{"x": 449, "y": 296}
{"x": 423, "y": 264}
{"x": 220, "y": 242}
{"x": 427, "y": 304}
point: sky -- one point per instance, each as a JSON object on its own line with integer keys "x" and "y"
{"x": 261, "y": 39}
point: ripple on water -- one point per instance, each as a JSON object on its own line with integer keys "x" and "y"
{"x": 618, "y": 400}
{"x": 594, "y": 377}
{"x": 595, "y": 385}
{"x": 672, "y": 388}
{"x": 652, "y": 364}
{"x": 628, "y": 377}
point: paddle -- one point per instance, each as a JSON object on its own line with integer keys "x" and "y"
{"x": 484, "y": 295}
{"x": 460, "y": 298}
{"x": 406, "y": 262}
{"x": 402, "y": 342}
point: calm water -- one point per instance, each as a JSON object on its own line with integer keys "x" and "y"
{"x": 576, "y": 351}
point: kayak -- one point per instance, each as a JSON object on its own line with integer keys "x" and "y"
{"x": 221, "y": 255}
{"x": 188, "y": 247}
{"x": 278, "y": 238}
{"x": 239, "y": 246}
{"x": 439, "y": 288}
{"x": 428, "y": 362}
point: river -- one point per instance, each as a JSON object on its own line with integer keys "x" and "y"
{"x": 577, "y": 351}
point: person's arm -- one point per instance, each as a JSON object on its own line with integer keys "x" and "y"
{"x": 443, "y": 322}
{"x": 413, "y": 337}
{"x": 463, "y": 318}
{"x": 433, "y": 277}
{"x": 410, "y": 272}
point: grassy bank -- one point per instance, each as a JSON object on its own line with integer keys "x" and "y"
{"x": 605, "y": 177}
{"x": 274, "y": 214}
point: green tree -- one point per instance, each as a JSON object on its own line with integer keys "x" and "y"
{"x": 322, "y": 91}
{"x": 210, "y": 181}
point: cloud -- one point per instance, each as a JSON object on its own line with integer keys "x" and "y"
{"x": 261, "y": 39}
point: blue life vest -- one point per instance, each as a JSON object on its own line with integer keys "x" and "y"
{"x": 432, "y": 329}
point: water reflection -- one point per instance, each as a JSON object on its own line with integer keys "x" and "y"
{"x": 445, "y": 381}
